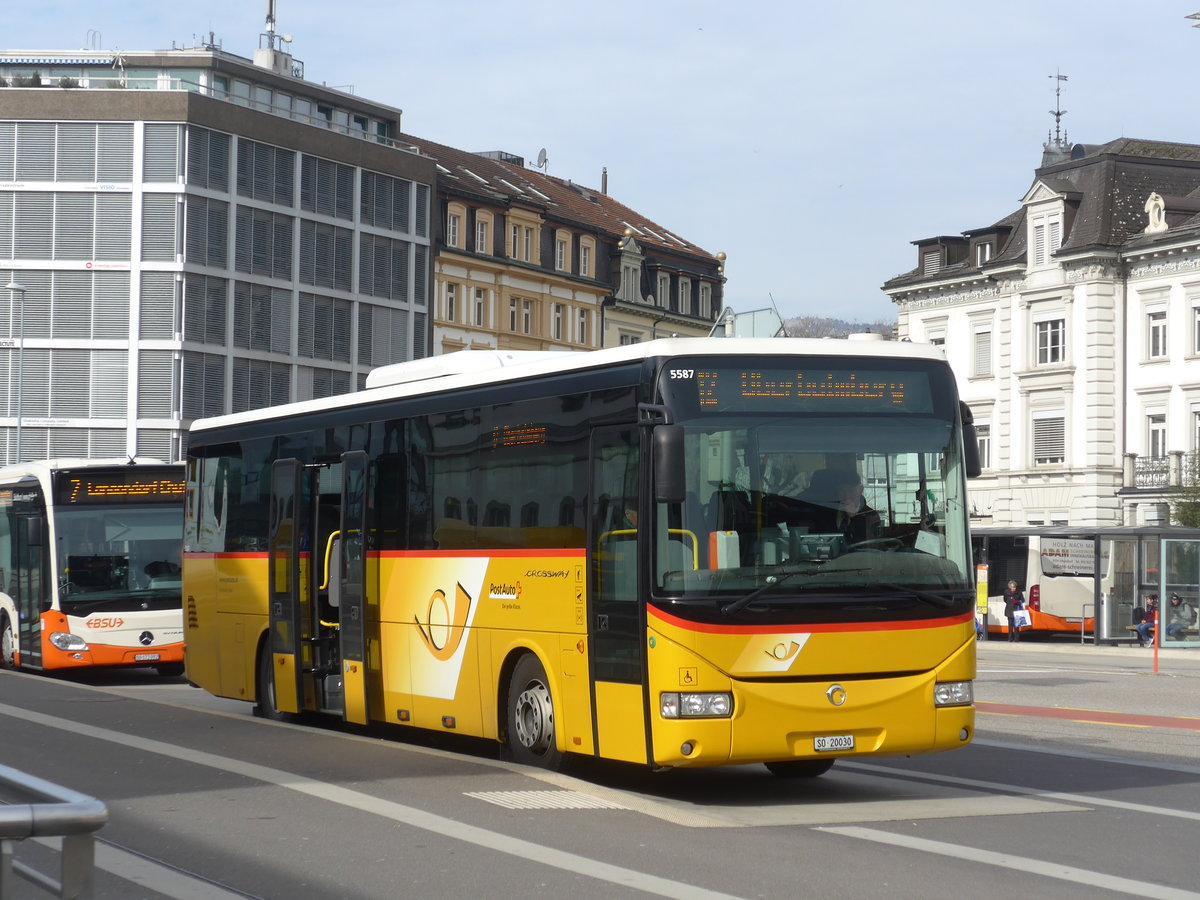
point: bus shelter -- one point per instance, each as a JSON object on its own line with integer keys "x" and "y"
{"x": 1109, "y": 574}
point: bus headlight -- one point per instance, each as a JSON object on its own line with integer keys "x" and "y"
{"x": 953, "y": 693}
{"x": 696, "y": 706}
{"x": 64, "y": 640}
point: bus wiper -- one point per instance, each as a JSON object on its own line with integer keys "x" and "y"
{"x": 943, "y": 599}
{"x": 741, "y": 603}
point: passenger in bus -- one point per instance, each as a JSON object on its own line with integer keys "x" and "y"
{"x": 1180, "y": 616}
{"x": 1145, "y": 628}
{"x": 1014, "y": 600}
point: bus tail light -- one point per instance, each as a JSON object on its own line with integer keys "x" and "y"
{"x": 64, "y": 640}
{"x": 1035, "y": 598}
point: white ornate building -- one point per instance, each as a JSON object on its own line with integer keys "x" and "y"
{"x": 1073, "y": 325}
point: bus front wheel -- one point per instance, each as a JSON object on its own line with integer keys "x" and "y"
{"x": 530, "y": 722}
{"x": 8, "y": 646}
{"x": 800, "y": 768}
{"x": 265, "y": 689}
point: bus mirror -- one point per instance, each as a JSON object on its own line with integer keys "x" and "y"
{"x": 970, "y": 442}
{"x": 35, "y": 526}
{"x": 670, "y": 485}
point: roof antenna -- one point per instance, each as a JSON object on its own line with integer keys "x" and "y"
{"x": 1058, "y": 112}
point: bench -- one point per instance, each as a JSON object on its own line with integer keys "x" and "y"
{"x": 1183, "y": 631}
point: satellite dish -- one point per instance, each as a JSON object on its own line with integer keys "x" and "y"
{"x": 541, "y": 163}
{"x": 287, "y": 38}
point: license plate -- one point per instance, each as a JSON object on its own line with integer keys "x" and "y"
{"x": 151, "y": 657}
{"x": 833, "y": 742}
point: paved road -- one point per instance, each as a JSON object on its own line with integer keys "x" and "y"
{"x": 1058, "y": 797}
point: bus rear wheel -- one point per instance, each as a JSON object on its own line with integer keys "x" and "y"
{"x": 530, "y": 718}
{"x": 265, "y": 689}
{"x": 800, "y": 768}
{"x": 8, "y": 645}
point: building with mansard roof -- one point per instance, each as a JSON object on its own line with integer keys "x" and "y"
{"x": 1073, "y": 324}
{"x": 528, "y": 261}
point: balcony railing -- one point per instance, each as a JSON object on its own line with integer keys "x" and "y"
{"x": 1176, "y": 470}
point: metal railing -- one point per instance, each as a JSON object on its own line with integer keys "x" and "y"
{"x": 55, "y": 812}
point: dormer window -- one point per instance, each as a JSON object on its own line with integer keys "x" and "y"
{"x": 1045, "y": 236}
{"x": 983, "y": 252}
{"x": 931, "y": 261}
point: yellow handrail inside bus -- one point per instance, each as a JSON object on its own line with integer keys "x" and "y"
{"x": 329, "y": 552}
{"x": 681, "y": 531}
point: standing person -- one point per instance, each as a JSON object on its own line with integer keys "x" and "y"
{"x": 1180, "y": 615}
{"x": 1013, "y": 600}
{"x": 1145, "y": 628}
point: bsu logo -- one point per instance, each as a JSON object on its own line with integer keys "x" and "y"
{"x": 445, "y": 623}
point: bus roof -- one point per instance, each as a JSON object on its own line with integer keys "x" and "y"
{"x": 41, "y": 468}
{"x": 466, "y": 369}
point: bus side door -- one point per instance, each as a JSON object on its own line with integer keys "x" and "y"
{"x": 32, "y": 587}
{"x": 352, "y": 588}
{"x": 616, "y": 619}
{"x": 287, "y": 609}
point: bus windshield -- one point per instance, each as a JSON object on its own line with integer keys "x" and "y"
{"x": 805, "y": 485}
{"x": 119, "y": 558}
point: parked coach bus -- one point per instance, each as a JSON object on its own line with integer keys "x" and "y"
{"x": 656, "y": 553}
{"x": 90, "y": 567}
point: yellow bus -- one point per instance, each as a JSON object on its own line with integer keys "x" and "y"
{"x": 634, "y": 554}
{"x": 90, "y": 568}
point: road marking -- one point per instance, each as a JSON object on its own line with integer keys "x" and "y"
{"x": 1079, "y": 799}
{"x": 1020, "y": 863}
{"x": 543, "y": 800}
{"x": 1090, "y": 716}
{"x": 524, "y": 850}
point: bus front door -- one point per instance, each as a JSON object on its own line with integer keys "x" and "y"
{"x": 32, "y": 588}
{"x": 289, "y": 596}
{"x": 616, "y": 625}
{"x": 351, "y": 586}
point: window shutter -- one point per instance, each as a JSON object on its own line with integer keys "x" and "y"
{"x": 156, "y": 383}
{"x": 72, "y": 305}
{"x": 8, "y": 151}
{"x": 157, "y": 318}
{"x": 35, "y": 151}
{"x": 114, "y": 226}
{"x": 983, "y": 353}
{"x": 161, "y": 153}
{"x": 114, "y": 152}
{"x": 1049, "y": 440}
{"x": 76, "y": 151}
{"x": 158, "y": 227}
{"x": 32, "y": 224}
{"x": 74, "y": 225}
{"x": 110, "y": 305}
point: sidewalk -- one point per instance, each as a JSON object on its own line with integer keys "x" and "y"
{"x": 1125, "y": 651}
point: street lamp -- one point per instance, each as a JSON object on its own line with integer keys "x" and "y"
{"x": 16, "y": 294}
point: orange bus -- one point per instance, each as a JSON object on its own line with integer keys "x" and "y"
{"x": 635, "y": 554}
{"x": 90, "y": 568}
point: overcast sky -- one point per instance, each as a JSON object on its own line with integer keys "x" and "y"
{"x": 811, "y": 142}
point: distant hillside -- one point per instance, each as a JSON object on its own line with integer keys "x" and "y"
{"x": 818, "y": 327}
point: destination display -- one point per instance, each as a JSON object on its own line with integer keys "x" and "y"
{"x": 822, "y": 387}
{"x": 135, "y": 484}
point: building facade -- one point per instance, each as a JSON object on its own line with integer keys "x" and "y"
{"x": 527, "y": 261}
{"x": 1073, "y": 325}
{"x": 196, "y": 234}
